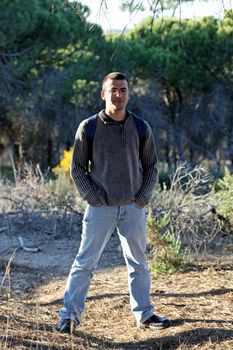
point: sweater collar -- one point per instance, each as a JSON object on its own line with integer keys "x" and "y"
{"x": 106, "y": 119}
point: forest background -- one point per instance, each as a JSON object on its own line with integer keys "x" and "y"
{"x": 51, "y": 67}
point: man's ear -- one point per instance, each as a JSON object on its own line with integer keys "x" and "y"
{"x": 102, "y": 94}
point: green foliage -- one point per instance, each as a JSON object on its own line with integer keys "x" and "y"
{"x": 187, "y": 54}
{"x": 32, "y": 33}
{"x": 166, "y": 247}
{"x": 45, "y": 47}
{"x": 224, "y": 199}
{"x": 84, "y": 92}
{"x": 26, "y": 23}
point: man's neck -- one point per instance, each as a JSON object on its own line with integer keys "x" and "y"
{"x": 118, "y": 115}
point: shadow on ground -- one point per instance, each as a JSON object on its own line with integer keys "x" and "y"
{"x": 83, "y": 340}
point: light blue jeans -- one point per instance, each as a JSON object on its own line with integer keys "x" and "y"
{"x": 98, "y": 225}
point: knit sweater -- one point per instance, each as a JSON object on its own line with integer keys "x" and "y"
{"x": 116, "y": 175}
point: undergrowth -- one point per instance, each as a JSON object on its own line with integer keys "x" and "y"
{"x": 165, "y": 246}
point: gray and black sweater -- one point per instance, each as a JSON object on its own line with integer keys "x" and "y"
{"x": 117, "y": 176}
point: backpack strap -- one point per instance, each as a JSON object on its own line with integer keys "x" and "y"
{"x": 90, "y": 132}
{"x": 141, "y": 129}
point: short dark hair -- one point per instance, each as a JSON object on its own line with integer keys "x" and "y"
{"x": 115, "y": 76}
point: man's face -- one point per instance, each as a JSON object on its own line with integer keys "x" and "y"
{"x": 116, "y": 94}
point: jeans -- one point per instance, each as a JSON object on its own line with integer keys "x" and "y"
{"x": 98, "y": 225}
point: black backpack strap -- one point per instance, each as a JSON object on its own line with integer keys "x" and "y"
{"x": 141, "y": 129}
{"x": 90, "y": 132}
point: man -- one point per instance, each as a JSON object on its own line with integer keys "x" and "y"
{"x": 117, "y": 184}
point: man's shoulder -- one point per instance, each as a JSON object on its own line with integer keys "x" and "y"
{"x": 87, "y": 121}
{"x": 138, "y": 118}
{"x": 91, "y": 125}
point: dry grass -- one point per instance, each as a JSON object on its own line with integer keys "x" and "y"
{"x": 190, "y": 204}
{"x": 198, "y": 301}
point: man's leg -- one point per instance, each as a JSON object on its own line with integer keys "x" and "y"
{"x": 98, "y": 225}
{"x": 132, "y": 233}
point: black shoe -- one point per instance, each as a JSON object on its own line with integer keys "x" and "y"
{"x": 66, "y": 326}
{"x": 156, "y": 322}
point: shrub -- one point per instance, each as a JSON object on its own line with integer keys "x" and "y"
{"x": 188, "y": 202}
{"x": 224, "y": 200}
{"x": 165, "y": 246}
{"x": 64, "y": 165}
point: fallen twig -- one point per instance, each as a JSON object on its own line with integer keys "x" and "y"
{"x": 27, "y": 249}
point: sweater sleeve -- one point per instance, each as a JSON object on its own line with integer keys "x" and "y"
{"x": 149, "y": 166}
{"x": 78, "y": 169}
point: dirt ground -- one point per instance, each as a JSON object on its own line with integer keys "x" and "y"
{"x": 198, "y": 300}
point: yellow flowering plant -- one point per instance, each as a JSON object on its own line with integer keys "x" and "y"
{"x": 64, "y": 164}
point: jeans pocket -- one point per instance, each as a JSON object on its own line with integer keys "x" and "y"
{"x": 97, "y": 205}
{"x": 137, "y": 206}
